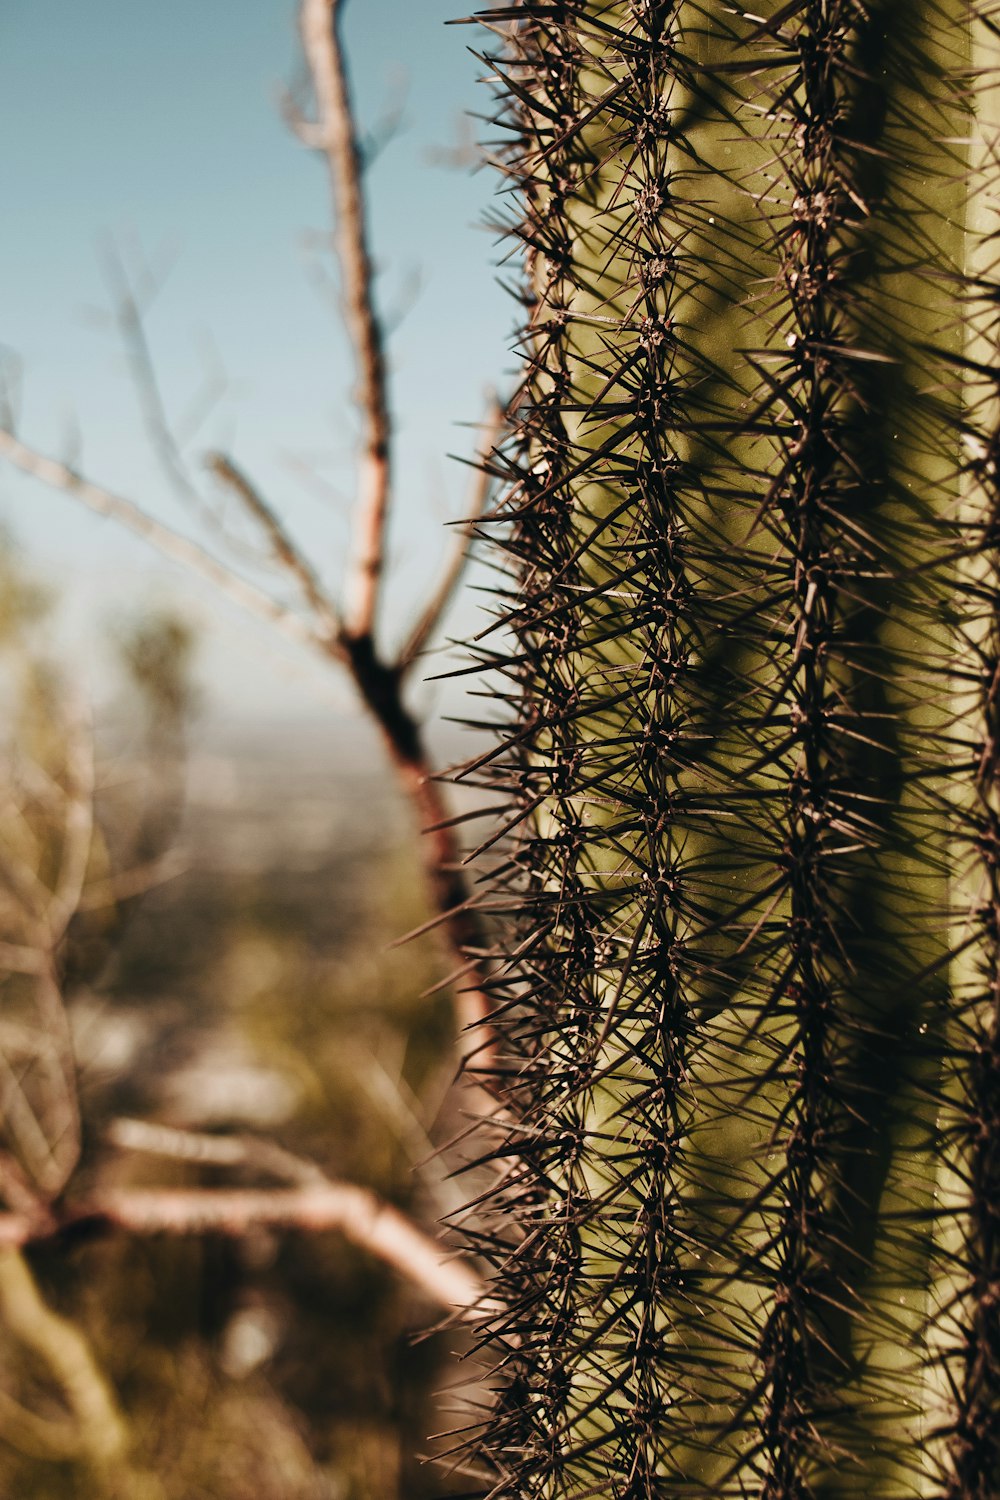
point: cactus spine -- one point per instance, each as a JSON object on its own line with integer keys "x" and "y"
{"x": 753, "y": 1007}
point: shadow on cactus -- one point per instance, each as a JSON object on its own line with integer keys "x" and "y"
{"x": 751, "y": 1246}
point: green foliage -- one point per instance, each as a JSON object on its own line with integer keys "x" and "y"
{"x": 754, "y": 1244}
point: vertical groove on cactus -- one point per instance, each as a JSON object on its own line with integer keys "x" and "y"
{"x": 971, "y": 1355}
{"x": 859, "y": 504}
{"x": 736, "y": 518}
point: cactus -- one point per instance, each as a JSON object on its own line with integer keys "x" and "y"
{"x": 747, "y": 1238}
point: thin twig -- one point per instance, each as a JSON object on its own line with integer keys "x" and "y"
{"x": 142, "y": 366}
{"x": 398, "y": 1241}
{"x": 283, "y": 548}
{"x": 359, "y": 1214}
{"x": 437, "y": 606}
{"x": 170, "y": 543}
{"x": 336, "y": 136}
{"x": 22, "y": 1126}
{"x": 154, "y": 1139}
{"x": 43, "y": 923}
{"x": 62, "y": 1124}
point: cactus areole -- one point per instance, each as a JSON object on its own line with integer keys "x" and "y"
{"x": 747, "y": 1228}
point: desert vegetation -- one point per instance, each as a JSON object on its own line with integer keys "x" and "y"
{"x": 720, "y": 977}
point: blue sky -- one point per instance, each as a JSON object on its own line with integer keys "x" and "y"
{"x": 159, "y": 126}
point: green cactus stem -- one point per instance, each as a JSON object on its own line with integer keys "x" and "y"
{"x": 751, "y": 1242}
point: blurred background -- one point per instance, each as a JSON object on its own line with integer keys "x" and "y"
{"x": 226, "y": 967}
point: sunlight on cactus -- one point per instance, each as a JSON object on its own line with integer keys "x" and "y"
{"x": 751, "y": 1245}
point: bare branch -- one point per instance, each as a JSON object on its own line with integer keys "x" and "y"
{"x": 320, "y": 1203}
{"x": 380, "y": 689}
{"x": 283, "y": 548}
{"x": 450, "y": 896}
{"x": 61, "y": 1122}
{"x": 218, "y": 1150}
{"x": 336, "y": 137}
{"x": 129, "y": 317}
{"x": 441, "y": 599}
{"x": 38, "y": 1098}
{"x": 380, "y": 685}
{"x": 170, "y": 543}
{"x": 355, "y": 1212}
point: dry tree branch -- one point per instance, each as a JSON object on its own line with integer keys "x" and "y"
{"x": 317, "y": 1202}
{"x": 335, "y": 134}
{"x": 355, "y": 1212}
{"x": 314, "y": 1203}
{"x": 22, "y": 1125}
{"x": 283, "y": 548}
{"x": 39, "y": 1098}
{"x": 438, "y": 604}
{"x": 171, "y": 544}
{"x": 128, "y": 305}
{"x": 202, "y": 1148}
{"x": 61, "y": 1124}
{"x": 379, "y": 686}
{"x": 130, "y": 320}
{"x": 347, "y": 638}
{"x": 381, "y": 690}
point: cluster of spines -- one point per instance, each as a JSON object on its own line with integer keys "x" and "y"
{"x": 603, "y": 635}
{"x": 720, "y": 785}
{"x": 810, "y": 396}
{"x": 861, "y": 519}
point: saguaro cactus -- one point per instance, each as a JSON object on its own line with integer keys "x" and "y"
{"x": 750, "y": 1240}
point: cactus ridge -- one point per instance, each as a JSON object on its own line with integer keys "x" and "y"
{"x": 745, "y": 1224}
{"x": 971, "y": 1352}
